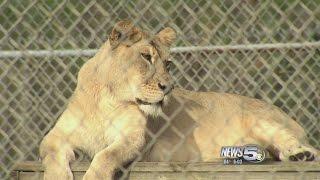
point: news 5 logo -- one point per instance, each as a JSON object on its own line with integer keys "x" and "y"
{"x": 250, "y": 153}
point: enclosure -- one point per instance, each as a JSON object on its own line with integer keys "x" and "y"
{"x": 265, "y": 49}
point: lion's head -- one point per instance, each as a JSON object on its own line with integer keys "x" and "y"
{"x": 135, "y": 66}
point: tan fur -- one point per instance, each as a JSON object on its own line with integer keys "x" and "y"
{"x": 203, "y": 122}
{"x": 118, "y": 88}
{"x": 102, "y": 117}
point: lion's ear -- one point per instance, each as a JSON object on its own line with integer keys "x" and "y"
{"x": 124, "y": 32}
{"x": 167, "y": 36}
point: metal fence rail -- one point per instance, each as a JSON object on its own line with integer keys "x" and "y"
{"x": 264, "y": 49}
{"x": 91, "y": 52}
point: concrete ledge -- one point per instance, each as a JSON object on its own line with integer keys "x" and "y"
{"x": 175, "y": 170}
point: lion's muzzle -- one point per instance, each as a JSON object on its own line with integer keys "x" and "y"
{"x": 166, "y": 88}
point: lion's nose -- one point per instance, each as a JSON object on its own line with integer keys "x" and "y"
{"x": 165, "y": 88}
{"x": 162, "y": 87}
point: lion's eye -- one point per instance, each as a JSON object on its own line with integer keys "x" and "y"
{"x": 168, "y": 65}
{"x": 146, "y": 57}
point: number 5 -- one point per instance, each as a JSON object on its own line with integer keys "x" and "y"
{"x": 250, "y": 153}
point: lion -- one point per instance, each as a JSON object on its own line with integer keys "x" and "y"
{"x": 121, "y": 93}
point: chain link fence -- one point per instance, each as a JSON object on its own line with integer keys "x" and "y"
{"x": 264, "y": 49}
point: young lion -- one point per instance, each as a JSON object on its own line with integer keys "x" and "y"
{"x": 128, "y": 80}
{"x": 102, "y": 117}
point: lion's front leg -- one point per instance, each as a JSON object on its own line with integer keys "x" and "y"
{"x": 56, "y": 154}
{"x": 105, "y": 162}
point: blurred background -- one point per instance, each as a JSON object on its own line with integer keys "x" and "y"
{"x": 267, "y": 49}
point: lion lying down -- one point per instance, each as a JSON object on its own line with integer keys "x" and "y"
{"x": 126, "y": 81}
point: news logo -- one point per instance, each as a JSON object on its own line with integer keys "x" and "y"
{"x": 238, "y": 154}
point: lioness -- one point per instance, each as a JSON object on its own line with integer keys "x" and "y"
{"x": 126, "y": 81}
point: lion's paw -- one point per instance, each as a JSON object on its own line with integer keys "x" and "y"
{"x": 302, "y": 156}
{"x": 63, "y": 175}
{"x": 299, "y": 153}
{"x": 92, "y": 174}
